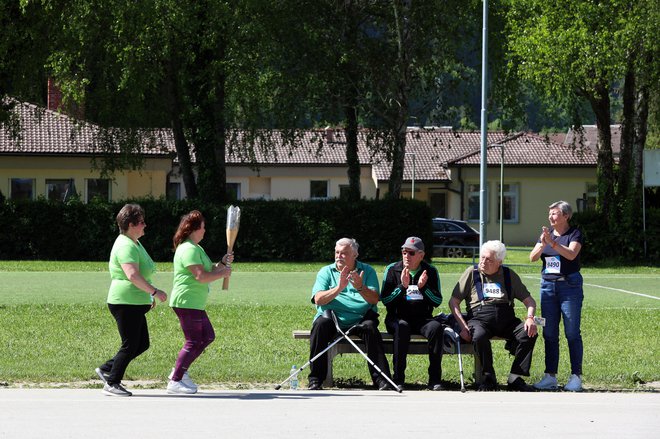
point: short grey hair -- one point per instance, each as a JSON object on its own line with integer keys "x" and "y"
{"x": 563, "y": 206}
{"x": 350, "y": 242}
{"x": 496, "y": 247}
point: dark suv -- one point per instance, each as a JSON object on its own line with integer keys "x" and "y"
{"x": 448, "y": 233}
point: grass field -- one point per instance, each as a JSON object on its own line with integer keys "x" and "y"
{"x": 55, "y": 327}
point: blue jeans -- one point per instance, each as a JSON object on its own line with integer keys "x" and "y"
{"x": 562, "y": 299}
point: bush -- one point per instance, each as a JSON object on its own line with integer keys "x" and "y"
{"x": 603, "y": 244}
{"x": 270, "y": 230}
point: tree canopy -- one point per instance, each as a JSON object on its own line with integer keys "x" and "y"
{"x": 584, "y": 50}
{"x": 209, "y": 70}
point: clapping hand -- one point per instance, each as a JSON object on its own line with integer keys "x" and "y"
{"x": 545, "y": 238}
{"x": 422, "y": 280}
{"x": 356, "y": 279}
{"x": 405, "y": 278}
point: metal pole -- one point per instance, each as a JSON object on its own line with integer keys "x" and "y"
{"x": 501, "y": 194}
{"x": 644, "y": 205}
{"x": 412, "y": 196}
{"x": 413, "y": 178}
{"x": 483, "y": 205}
{"x": 644, "y": 215}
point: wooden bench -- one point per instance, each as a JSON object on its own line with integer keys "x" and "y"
{"x": 418, "y": 346}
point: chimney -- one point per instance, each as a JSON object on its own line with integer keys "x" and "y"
{"x": 54, "y": 95}
{"x": 55, "y": 102}
{"x": 329, "y": 134}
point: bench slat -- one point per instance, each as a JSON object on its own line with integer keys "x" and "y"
{"x": 304, "y": 335}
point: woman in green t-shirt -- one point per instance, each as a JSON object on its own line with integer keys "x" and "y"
{"x": 130, "y": 297}
{"x": 193, "y": 271}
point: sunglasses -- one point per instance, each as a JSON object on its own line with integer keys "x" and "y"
{"x": 408, "y": 252}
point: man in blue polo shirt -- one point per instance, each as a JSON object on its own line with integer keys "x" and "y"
{"x": 350, "y": 289}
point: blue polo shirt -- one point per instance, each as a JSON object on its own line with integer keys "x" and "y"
{"x": 349, "y": 306}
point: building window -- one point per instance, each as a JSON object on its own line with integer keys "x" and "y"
{"x": 318, "y": 189}
{"x": 98, "y": 188}
{"x": 343, "y": 191}
{"x": 592, "y": 195}
{"x": 438, "y": 202}
{"x": 60, "y": 190}
{"x": 234, "y": 191}
{"x": 473, "y": 202}
{"x": 22, "y": 189}
{"x": 588, "y": 199}
{"x": 509, "y": 203}
{"x": 173, "y": 191}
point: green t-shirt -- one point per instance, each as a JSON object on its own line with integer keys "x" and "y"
{"x": 349, "y": 306}
{"x": 122, "y": 291}
{"x": 187, "y": 291}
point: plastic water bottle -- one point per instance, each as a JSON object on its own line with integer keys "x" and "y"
{"x": 293, "y": 382}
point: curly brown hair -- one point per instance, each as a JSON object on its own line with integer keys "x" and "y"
{"x": 189, "y": 223}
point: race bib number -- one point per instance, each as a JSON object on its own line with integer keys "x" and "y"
{"x": 493, "y": 291}
{"x": 553, "y": 264}
{"x": 412, "y": 293}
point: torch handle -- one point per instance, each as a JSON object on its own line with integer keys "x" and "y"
{"x": 225, "y": 281}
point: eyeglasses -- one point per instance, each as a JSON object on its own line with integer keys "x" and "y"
{"x": 408, "y": 252}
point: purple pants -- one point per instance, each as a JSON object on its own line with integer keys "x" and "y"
{"x": 198, "y": 332}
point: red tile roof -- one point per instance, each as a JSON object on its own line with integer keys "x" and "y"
{"x": 589, "y": 138}
{"x": 433, "y": 149}
{"x": 46, "y": 132}
{"x": 530, "y": 150}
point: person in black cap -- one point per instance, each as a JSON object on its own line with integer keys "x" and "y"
{"x": 411, "y": 289}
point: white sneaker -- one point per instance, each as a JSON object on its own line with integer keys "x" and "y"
{"x": 185, "y": 380}
{"x": 574, "y": 384}
{"x": 178, "y": 387}
{"x": 548, "y": 382}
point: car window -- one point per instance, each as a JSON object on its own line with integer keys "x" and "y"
{"x": 454, "y": 228}
{"x": 438, "y": 227}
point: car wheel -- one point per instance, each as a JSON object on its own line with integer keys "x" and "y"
{"x": 455, "y": 252}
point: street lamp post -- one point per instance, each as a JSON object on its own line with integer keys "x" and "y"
{"x": 413, "y": 174}
{"x": 501, "y": 192}
{"x": 483, "y": 202}
{"x": 501, "y": 145}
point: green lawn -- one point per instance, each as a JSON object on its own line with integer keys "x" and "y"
{"x": 56, "y": 327}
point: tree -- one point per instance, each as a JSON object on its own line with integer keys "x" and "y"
{"x": 354, "y": 63}
{"x": 152, "y": 64}
{"x": 23, "y": 55}
{"x": 321, "y": 51}
{"x": 421, "y": 44}
{"x": 640, "y": 89}
{"x": 581, "y": 49}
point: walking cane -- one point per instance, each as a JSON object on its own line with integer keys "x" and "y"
{"x": 394, "y": 386}
{"x": 300, "y": 369}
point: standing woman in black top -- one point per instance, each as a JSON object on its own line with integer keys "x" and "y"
{"x": 561, "y": 294}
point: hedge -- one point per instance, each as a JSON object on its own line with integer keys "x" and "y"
{"x": 282, "y": 230}
{"x": 603, "y": 244}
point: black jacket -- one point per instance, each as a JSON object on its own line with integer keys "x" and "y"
{"x": 397, "y": 300}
